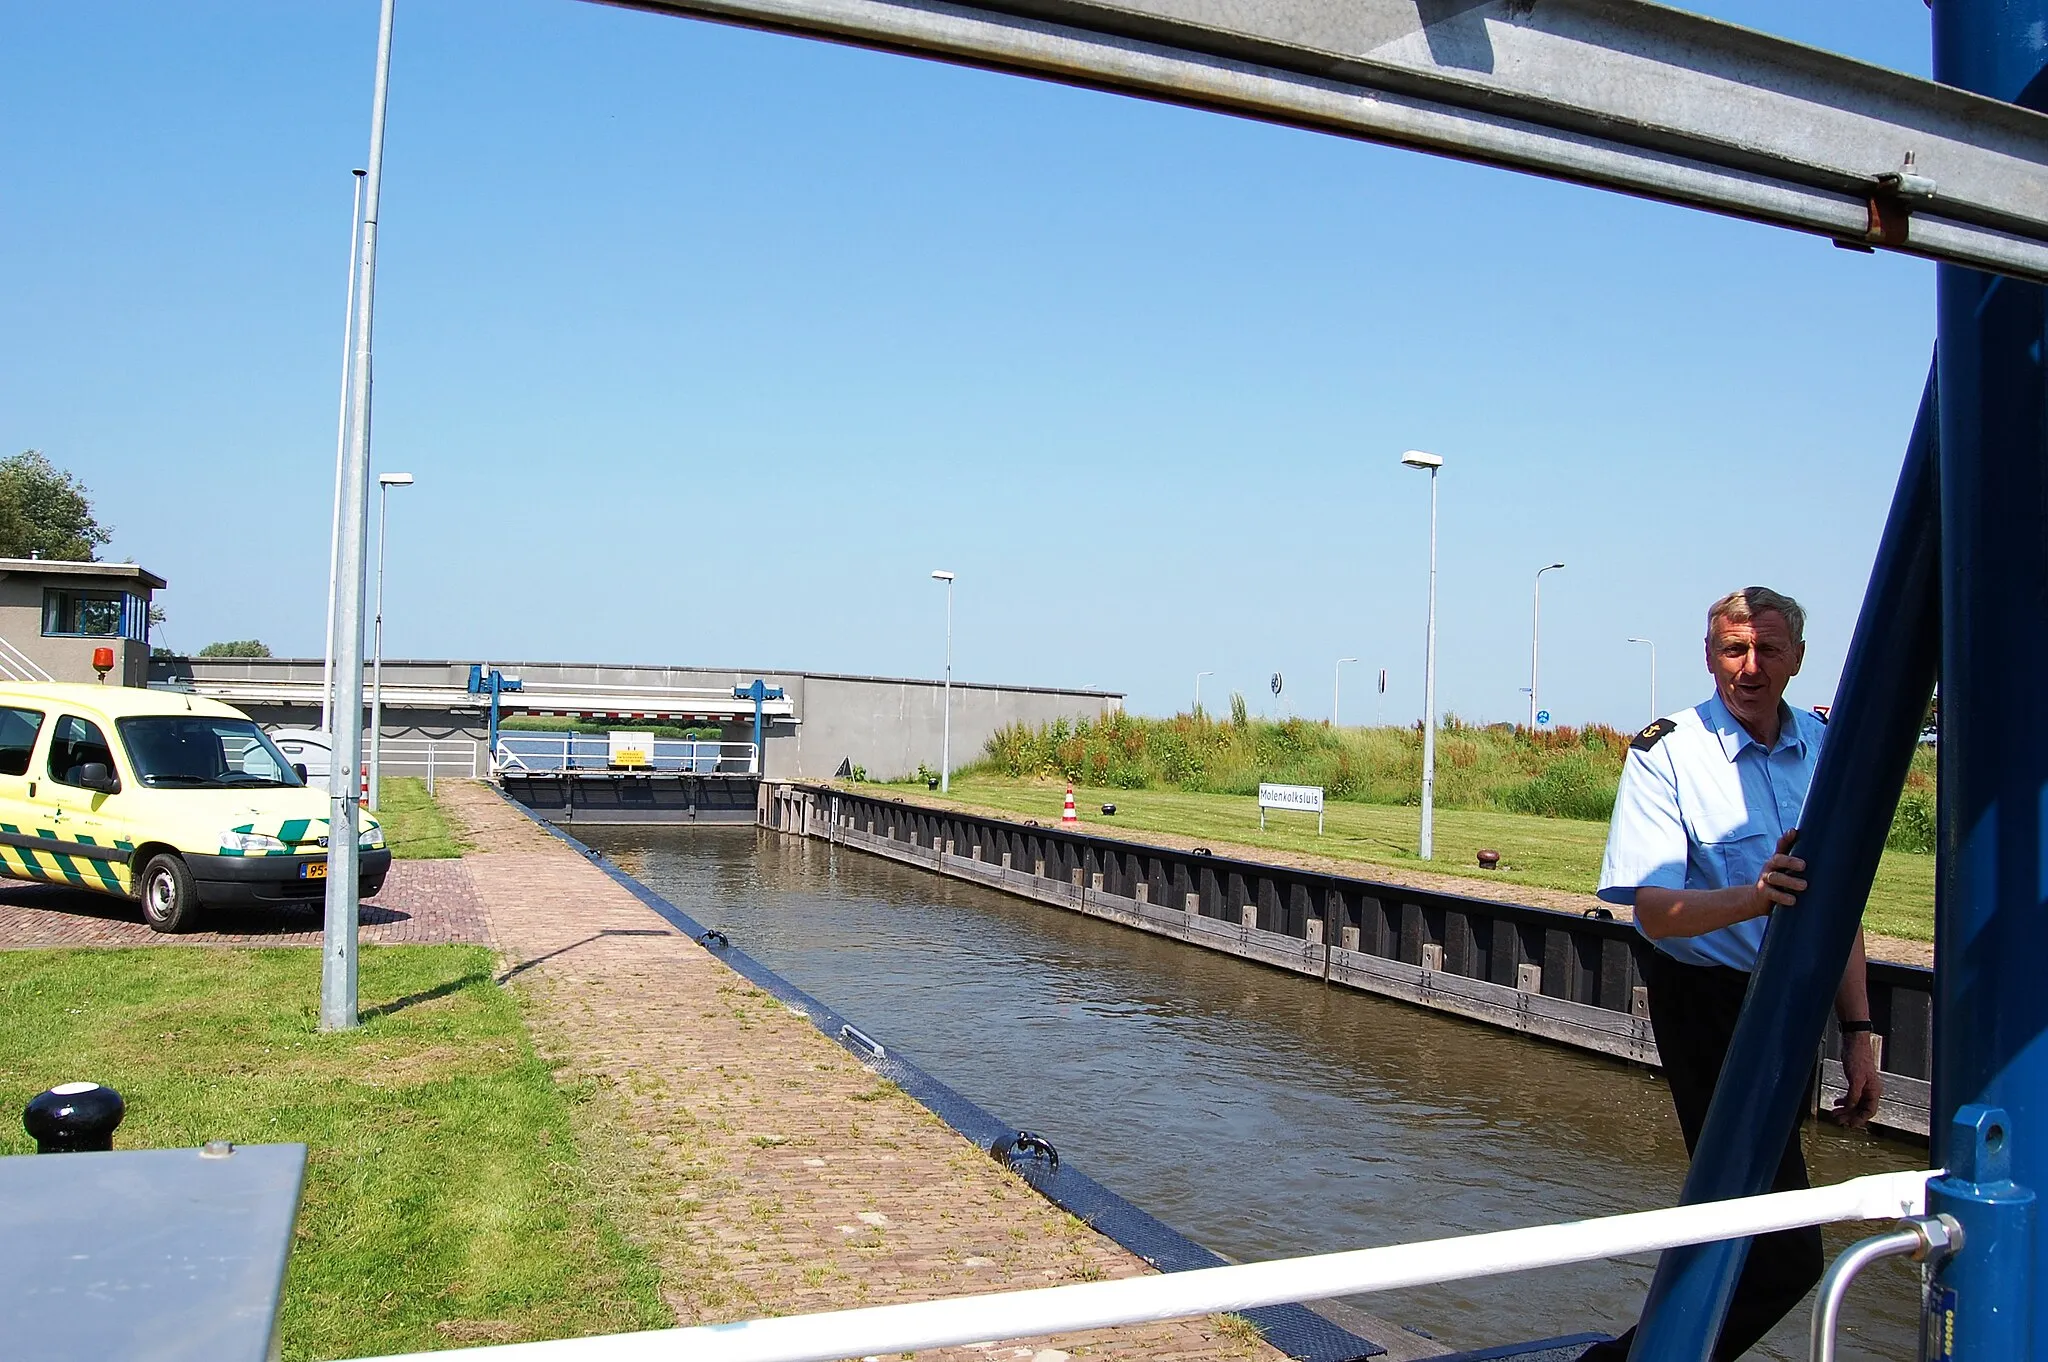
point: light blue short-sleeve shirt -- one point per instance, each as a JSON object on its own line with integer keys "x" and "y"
{"x": 1703, "y": 808}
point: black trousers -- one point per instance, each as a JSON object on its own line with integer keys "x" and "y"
{"x": 1693, "y": 1008}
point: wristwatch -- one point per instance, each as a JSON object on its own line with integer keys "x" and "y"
{"x": 1863, "y": 1025}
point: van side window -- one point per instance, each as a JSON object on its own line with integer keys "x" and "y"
{"x": 75, "y": 743}
{"x": 18, "y": 729}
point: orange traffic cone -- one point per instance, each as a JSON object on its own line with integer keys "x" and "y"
{"x": 1067, "y": 815}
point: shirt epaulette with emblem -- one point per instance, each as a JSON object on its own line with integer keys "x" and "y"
{"x": 1653, "y": 735}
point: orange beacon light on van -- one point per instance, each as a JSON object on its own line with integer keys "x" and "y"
{"x": 103, "y": 662}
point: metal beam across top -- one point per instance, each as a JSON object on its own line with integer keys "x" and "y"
{"x": 1620, "y": 94}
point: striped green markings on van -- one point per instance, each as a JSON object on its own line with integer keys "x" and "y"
{"x": 112, "y": 874}
{"x": 49, "y": 860}
{"x": 297, "y": 834}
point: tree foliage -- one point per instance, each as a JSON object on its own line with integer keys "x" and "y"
{"x": 45, "y": 512}
{"x": 240, "y": 647}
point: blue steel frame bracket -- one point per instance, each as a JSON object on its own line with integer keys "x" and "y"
{"x": 494, "y": 683}
{"x": 1979, "y": 1303}
{"x": 759, "y": 692}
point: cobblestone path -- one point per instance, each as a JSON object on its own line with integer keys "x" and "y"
{"x": 764, "y": 1167}
{"x": 422, "y": 903}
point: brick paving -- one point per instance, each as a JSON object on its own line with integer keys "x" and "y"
{"x": 763, "y": 1167}
{"x": 422, "y": 902}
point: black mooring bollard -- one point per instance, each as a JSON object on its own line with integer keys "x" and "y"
{"x": 73, "y": 1118}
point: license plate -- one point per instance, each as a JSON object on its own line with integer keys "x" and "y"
{"x": 313, "y": 870}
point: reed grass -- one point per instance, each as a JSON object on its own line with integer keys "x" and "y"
{"x": 1559, "y": 772}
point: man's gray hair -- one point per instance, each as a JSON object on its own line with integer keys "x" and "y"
{"x": 1740, "y": 607}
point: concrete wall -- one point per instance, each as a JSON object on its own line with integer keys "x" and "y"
{"x": 891, "y": 727}
{"x": 887, "y": 725}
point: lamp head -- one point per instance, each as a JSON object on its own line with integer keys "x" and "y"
{"x": 395, "y": 479}
{"x": 1342, "y": 660}
{"x": 1552, "y": 567}
{"x": 1416, "y": 458}
{"x": 942, "y": 576}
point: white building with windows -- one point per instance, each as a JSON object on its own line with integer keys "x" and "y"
{"x": 56, "y": 616}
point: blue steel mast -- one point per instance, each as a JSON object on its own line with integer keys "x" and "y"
{"x": 1991, "y": 927}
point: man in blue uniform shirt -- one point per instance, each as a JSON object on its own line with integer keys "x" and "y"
{"x": 1701, "y": 848}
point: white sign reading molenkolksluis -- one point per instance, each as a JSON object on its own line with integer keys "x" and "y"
{"x": 1303, "y": 798}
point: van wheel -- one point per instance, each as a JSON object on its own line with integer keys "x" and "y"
{"x": 170, "y": 901}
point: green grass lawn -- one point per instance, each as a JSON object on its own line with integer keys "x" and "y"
{"x": 1552, "y": 853}
{"x": 415, "y": 828}
{"x": 445, "y": 1202}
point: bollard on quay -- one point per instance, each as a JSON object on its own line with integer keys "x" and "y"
{"x": 73, "y": 1118}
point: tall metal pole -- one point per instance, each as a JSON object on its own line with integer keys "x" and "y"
{"x": 1653, "y": 675}
{"x": 348, "y": 337}
{"x": 1198, "y": 689}
{"x": 1991, "y": 931}
{"x": 1536, "y": 644}
{"x": 946, "y": 729}
{"x": 338, "y": 939}
{"x": 1337, "y": 688}
{"x": 1427, "y": 848}
{"x": 377, "y": 657}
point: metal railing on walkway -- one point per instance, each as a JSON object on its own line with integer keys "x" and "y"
{"x": 455, "y": 758}
{"x": 536, "y": 753}
{"x": 893, "y": 1329}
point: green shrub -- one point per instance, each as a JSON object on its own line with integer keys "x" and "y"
{"x": 1555, "y": 772}
{"x": 1497, "y": 767}
{"x": 1569, "y": 787}
{"x": 1913, "y": 826}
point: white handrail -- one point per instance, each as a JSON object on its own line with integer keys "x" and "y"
{"x": 889, "y": 1329}
{"x": 536, "y": 752}
{"x": 452, "y": 757}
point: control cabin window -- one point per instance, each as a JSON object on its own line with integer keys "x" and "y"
{"x": 77, "y": 743}
{"x": 18, "y": 729}
{"x": 72, "y": 613}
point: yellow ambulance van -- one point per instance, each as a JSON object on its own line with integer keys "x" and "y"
{"x": 171, "y": 799}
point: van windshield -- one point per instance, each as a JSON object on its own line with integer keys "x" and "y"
{"x": 198, "y": 749}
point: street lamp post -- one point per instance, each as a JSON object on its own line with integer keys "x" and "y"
{"x": 1416, "y": 458}
{"x": 1198, "y": 689}
{"x": 1337, "y": 688}
{"x": 385, "y": 482}
{"x": 1653, "y": 674}
{"x": 340, "y": 920}
{"x": 1536, "y": 642}
{"x": 348, "y": 340}
{"x": 946, "y": 724}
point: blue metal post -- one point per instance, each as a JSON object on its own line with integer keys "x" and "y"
{"x": 1991, "y": 928}
{"x": 1982, "y": 1305}
{"x": 759, "y": 692}
{"x": 1872, "y": 731}
{"x": 491, "y": 683}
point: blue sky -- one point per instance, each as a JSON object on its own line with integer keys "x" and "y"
{"x": 706, "y": 346}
